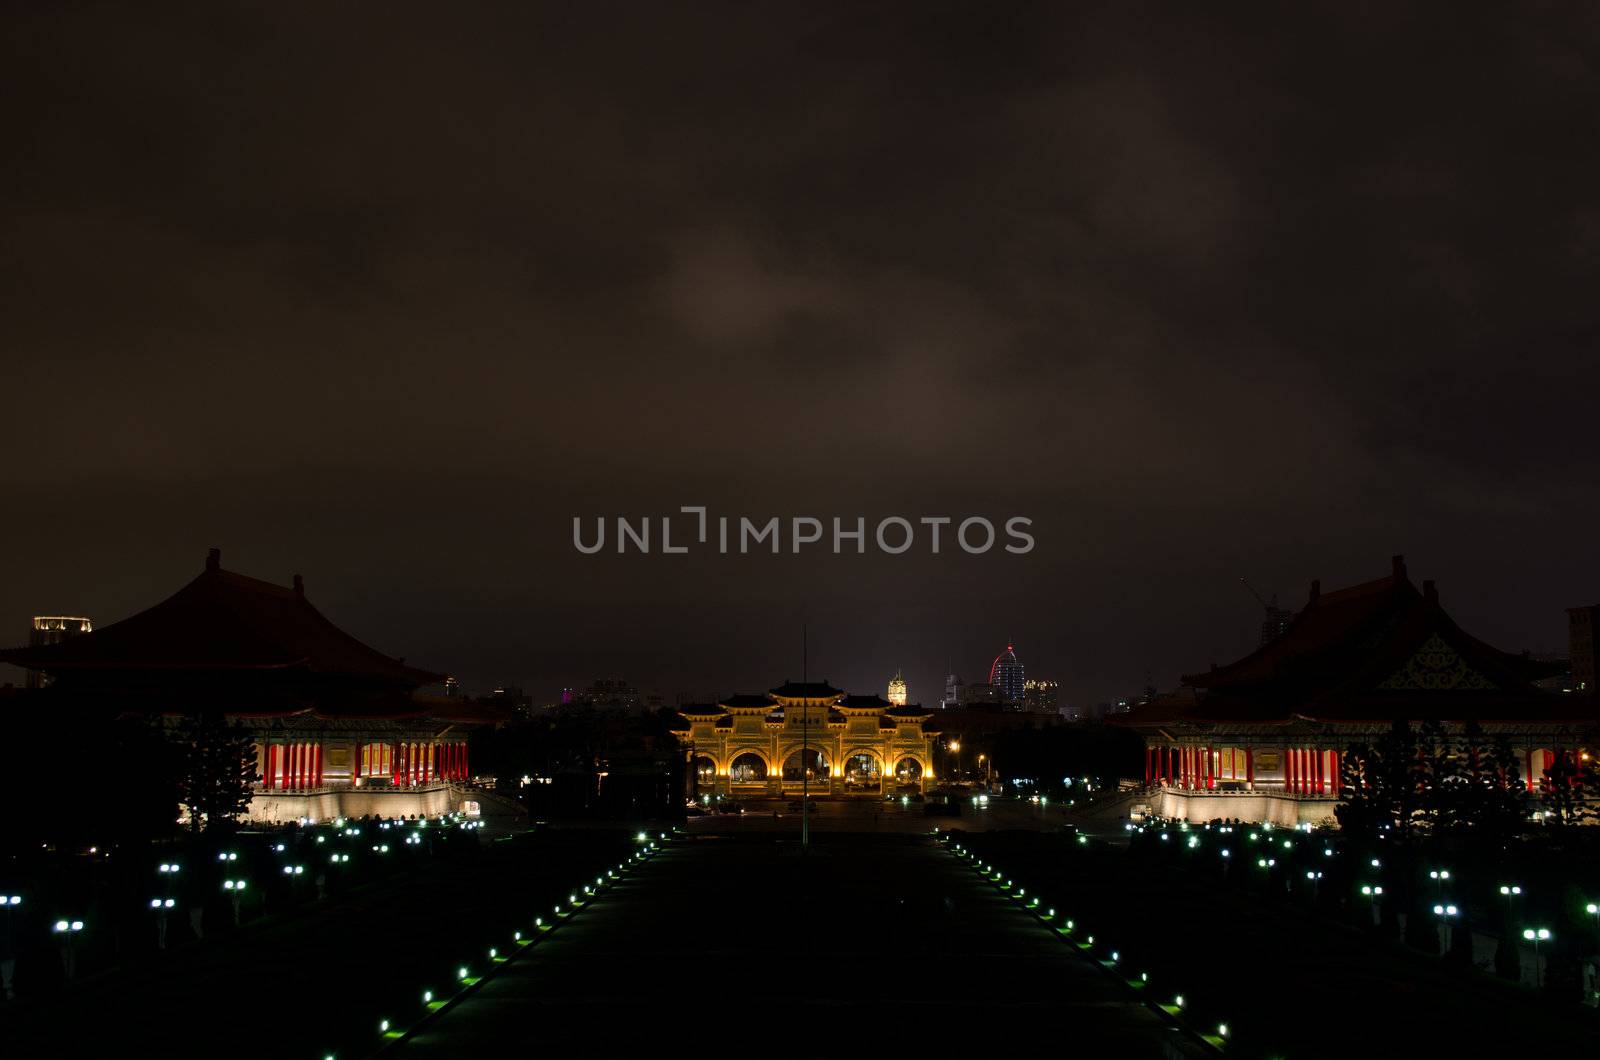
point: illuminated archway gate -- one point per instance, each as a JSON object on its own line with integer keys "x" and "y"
{"x": 811, "y": 736}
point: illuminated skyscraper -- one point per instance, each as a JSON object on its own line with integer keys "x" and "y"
{"x": 897, "y": 689}
{"x": 1040, "y": 696}
{"x": 952, "y": 691}
{"x": 1007, "y": 677}
{"x": 53, "y": 629}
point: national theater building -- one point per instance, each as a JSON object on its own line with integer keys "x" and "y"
{"x": 807, "y": 737}
{"x": 340, "y": 729}
{"x": 1261, "y": 739}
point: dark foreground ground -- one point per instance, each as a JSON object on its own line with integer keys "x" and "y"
{"x": 738, "y": 945}
{"x": 1288, "y": 983}
{"x": 314, "y": 981}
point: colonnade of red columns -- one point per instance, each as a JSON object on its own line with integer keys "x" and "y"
{"x": 423, "y": 763}
{"x": 298, "y": 766}
{"x": 1306, "y": 770}
{"x": 293, "y": 766}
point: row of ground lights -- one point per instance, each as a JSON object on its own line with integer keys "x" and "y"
{"x": 466, "y": 978}
{"x": 1066, "y": 928}
{"x": 1444, "y": 910}
{"x": 164, "y": 904}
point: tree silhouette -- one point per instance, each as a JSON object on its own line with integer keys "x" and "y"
{"x": 1568, "y": 786}
{"x": 216, "y": 767}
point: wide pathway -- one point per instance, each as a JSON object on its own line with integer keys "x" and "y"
{"x": 738, "y": 945}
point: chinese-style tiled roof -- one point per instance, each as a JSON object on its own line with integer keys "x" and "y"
{"x": 807, "y": 690}
{"x": 874, "y": 703}
{"x": 747, "y": 704}
{"x": 1374, "y": 652}
{"x": 223, "y": 622}
{"x": 702, "y": 710}
{"x": 909, "y": 712}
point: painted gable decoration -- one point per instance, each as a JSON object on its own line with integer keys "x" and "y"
{"x": 1435, "y": 667}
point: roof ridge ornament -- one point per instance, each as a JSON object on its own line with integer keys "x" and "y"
{"x": 214, "y": 559}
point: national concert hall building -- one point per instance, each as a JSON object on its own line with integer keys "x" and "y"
{"x": 1262, "y": 738}
{"x": 340, "y": 729}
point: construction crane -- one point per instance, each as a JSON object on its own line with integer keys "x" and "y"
{"x": 1274, "y": 619}
{"x": 1252, "y": 591}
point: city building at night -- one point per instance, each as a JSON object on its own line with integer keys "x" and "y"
{"x": 952, "y": 691}
{"x": 809, "y": 737}
{"x": 53, "y": 629}
{"x": 898, "y": 692}
{"x": 340, "y": 729}
{"x": 1262, "y": 738}
{"x": 1041, "y": 696}
{"x": 1007, "y": 676}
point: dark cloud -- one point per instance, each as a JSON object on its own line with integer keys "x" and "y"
{"x": 388, "y": 293}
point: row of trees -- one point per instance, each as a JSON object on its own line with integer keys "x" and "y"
{"x": 129, "y": 774}
{"x": 1423, "y": 778}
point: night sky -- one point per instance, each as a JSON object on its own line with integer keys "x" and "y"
{"x": 386, "y": 294}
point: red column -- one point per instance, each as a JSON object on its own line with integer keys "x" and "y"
{"x": 1290, "y": 773}
{"x": 465, "y": 771}
{"x": 1250, "y": 768}
{"x": 1211, "y": 767}
{"x": 355, "y": 766}
{"x": 319, "y": 763}
{"x": 272, "y": 764}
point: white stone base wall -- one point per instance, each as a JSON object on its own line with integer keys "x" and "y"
{"x": 1255, "y": 807}
{"x": 279, "y": 807}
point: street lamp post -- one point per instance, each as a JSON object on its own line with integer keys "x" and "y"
{"x": 10, "y": 902}
{"x": 1536, "y": 936}
{"x": 70, "y": 929}
{"x": 1446, "y": 914}
{"x": 1373, "y": 894}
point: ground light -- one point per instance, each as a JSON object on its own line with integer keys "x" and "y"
{"x": 1173, "y": 1011}
{"x": 465, "y": 979}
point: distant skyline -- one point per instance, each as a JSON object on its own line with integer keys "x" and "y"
{"x": 1207, "y": 292}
